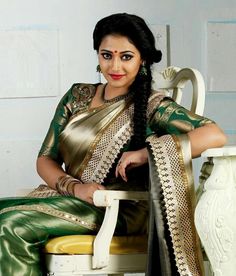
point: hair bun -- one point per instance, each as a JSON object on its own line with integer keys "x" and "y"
{"x": 157, "y": 55}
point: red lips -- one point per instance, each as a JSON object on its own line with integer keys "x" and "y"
{"x": 116, "y": 76}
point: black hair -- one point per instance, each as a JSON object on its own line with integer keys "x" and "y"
{"x": 136, "y": 30}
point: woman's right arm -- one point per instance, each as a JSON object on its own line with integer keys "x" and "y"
{"x": 49, "y": 163}
{"x": 49, "y": 170}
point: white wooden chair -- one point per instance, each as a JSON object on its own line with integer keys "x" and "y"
{"x": 67, "y": 255}
{"x": 216, "y": 210}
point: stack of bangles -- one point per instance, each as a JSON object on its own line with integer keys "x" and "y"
{"x": 66, "y": 184}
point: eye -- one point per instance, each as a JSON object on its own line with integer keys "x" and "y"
{"x": 106, "y": 55}
{"x": 126, "y": 57}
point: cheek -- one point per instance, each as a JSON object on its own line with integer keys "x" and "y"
{"x": 103, "y": 64}
{"x": 134, "y": 68}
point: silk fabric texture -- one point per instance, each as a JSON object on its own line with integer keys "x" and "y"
{"x": 89, "y": 142}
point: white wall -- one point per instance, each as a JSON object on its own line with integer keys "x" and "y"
{"x": 66, "y": 56}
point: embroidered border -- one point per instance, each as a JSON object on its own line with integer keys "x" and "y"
{"x": 154, "y": 101}
{"x": 83, "y": 94}
{"x": 114, "y": 140}
{"x": 52, "y": 212}
{"x": 178, "y": 212}
{"x": 111, "y": 142}
{"x": 109, "y": 156}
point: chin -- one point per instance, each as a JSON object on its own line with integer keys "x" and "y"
{"x": 118, "y": 83}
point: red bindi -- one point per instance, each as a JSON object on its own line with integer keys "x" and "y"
{"x": 115, "y": 51}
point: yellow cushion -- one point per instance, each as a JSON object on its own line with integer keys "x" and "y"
{"x": 83, "y": 244}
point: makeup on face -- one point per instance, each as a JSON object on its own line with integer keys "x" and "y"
{"x": 119, "y": 60}
{"x": 116, "y": 76}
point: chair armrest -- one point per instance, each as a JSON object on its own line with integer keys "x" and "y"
{"x": 105, "y": 198}
{"x": 110, "y": 200}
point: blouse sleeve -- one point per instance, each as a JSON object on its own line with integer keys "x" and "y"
{"x": 171, "y": 118}
{"x": 62, "y": 114}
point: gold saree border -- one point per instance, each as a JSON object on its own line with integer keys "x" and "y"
{"x": 114, "y": 136}
{"x": 97, "y": 138}
{"x": 173, "y": 165}
{"x": 52, "y": 212}
{"x": 121, "y": 131}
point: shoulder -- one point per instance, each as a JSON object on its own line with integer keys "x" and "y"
{"x": 156, "y": 99}
{"x": 157, "y": 95}
{"x": 82, "y": 91}
{"x": 80, "y": 95}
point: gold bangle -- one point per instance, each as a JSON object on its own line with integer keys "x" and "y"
{"x": 65, "y": 185}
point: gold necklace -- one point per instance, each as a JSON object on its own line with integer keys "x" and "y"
{"x": 115, "y": 99}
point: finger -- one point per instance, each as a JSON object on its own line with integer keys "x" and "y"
{"x": 117, "y": 171}
{"x": 123, "y": 175}
{"x": 87, "y": 199}
{"x": 122, "y": 171}
{"x": 90, "y": 200}
{"x": 121, "y": 168}
{"x": 101, "y": 187}
{"x": 117, "y": 168}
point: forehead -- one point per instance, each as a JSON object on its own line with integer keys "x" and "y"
{"x": 117, "y": 43}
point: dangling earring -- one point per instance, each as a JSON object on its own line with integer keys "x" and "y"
{"x": 143, "y": 70}
{"x": 98, "y": 69}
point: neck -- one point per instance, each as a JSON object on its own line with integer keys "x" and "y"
{"x": 115, "y": 95}
{"x": 111, "y": 93}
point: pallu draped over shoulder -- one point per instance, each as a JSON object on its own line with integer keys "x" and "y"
{"x": 89, "y": 142}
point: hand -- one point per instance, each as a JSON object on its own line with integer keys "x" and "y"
{"x": 85, "y": 191}
{"x": 131, "y": 159}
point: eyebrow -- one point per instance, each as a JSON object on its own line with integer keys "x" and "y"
{"x": 123, "y": 52}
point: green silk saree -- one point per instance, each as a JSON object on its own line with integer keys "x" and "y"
{"x": 89, "y": 142}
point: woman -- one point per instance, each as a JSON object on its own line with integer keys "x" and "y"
{"x": 102, "y": 134}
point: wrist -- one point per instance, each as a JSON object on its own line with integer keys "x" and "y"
{"x": 65, "y": 185}
{"x": 144, "y": 155}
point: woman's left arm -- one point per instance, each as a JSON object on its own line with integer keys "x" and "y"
{"x": 172, "y": 118}
{"x": 201, "y": 139}
{"x": 205, "y": 137}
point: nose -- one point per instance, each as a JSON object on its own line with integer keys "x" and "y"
{"x": 116, "y": 62}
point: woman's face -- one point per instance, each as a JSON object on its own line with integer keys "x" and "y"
{"x": 119, "y": 60}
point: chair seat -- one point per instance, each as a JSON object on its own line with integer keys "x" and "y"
{"x": 83, "y": 244}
